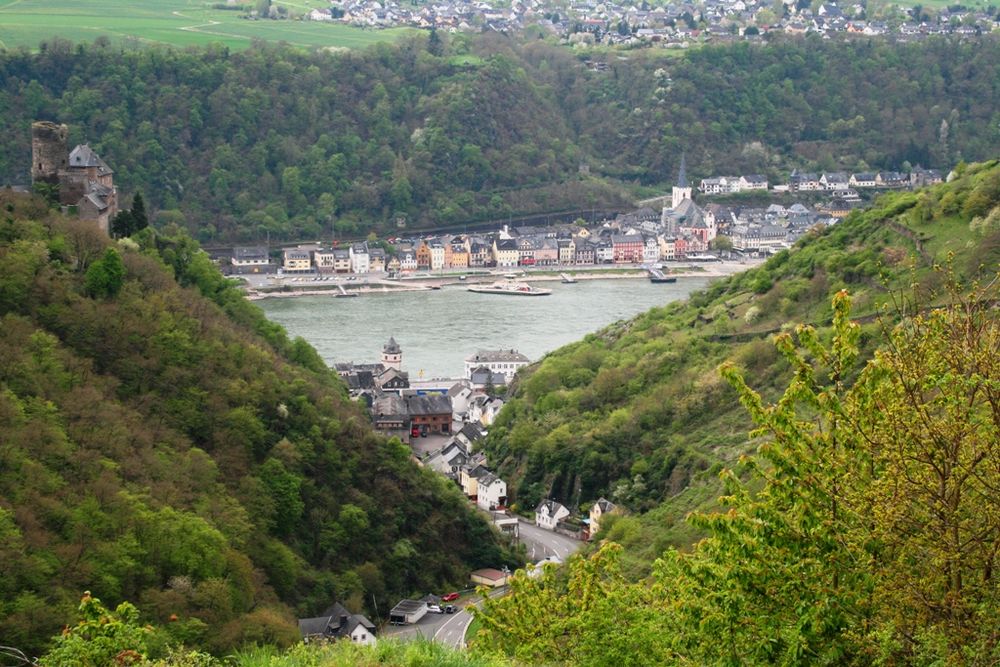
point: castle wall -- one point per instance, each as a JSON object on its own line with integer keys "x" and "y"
{"x": 73, "y": 184}
{"x": 48, "y": 151}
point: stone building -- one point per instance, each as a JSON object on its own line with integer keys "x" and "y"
{"x": 84, "y": 181}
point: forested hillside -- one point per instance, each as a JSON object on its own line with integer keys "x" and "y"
{"x": 163, "y": 443}
{"x": 278, "y": 141}
{"x": 639, "y": 412}
{"x": 862, "y": 528}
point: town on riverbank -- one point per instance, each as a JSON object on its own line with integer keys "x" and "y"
{"x": 679, "y": 238}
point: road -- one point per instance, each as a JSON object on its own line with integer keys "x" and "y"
{"x": 450, "y": 629}
{"x": 543, "y": 543}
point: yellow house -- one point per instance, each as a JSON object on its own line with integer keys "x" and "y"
{"x": 468, "y": 477}
{"x": 600, "y": 509}
{"x": 295, "y": 259}
{"x": 505, "y": 253}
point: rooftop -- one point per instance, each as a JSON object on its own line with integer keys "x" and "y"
{"x": 487, "y": 356}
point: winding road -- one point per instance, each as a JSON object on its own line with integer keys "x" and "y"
{"x": 450, "y": 629}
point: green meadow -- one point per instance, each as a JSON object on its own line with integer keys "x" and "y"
{"x": 171, "y": 22}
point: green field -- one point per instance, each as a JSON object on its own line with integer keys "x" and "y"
{"x": 173, "y": 22}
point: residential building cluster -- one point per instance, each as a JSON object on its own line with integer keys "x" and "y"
{"x": 554, "y": 516}
{"x": 460, "y": 408}
{"x": 676, "y": 24}
{"x": 681, "y": 230}
{"x": 831, "y": 181}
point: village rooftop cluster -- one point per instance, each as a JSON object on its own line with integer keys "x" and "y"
{"x": 676, "y": 24}
{"x": 680, "y": 231}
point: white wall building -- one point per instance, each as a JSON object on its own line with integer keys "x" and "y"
{"x": 505, "y": 362}
{"x": 492, "y": 492}
{"x": 549, "y": 513}
{"x": 360, "y": 262}
{"x": 437, "y": 256}
{"x": 651, "y": 250}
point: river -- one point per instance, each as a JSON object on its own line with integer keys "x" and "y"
{"x": 438, "y": 329}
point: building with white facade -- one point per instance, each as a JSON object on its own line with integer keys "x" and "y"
{"x": 505, "y": 362}
{"x": 359, "y": 258}
{"x": 549, "y": 513}
{"x": 492, "y": 492}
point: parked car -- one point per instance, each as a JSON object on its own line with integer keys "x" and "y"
{"x": 450, "y": 609}
{"x": 414, "y": 431}
{"x": 449, "y": 597}
{"x": 434, "y": 609}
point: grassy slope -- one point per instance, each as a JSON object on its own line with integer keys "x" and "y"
{"x": 173, "y": 22}
{"x": 638, "y": 412}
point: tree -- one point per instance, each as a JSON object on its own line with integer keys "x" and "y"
{"x": 121, "y": 224}
{"x": 931, "y": 421}
{"x": 105, "y": 277}
{"x": 101, "y": 637}
{"x": 127, "y": 223}
{"x": 139, "y": 218}
{"x": 434, "y": 45}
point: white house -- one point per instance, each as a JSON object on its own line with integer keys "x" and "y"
{"x": 437, "y": 255}
{"x": 359, "y": 258}
{"x": 408, "y": 260}
{"x": 492, "y": 492}
{"x": 338, "y": 623}
{"x": 862, "y": 180}
{"x": 605, "y": 253}
{"x": 460, "y": 394}
{"x": 255, "y": 256}
{"x": 753, "y": 182}
{"x": 549, "y": 513}
{"x": 720, "y": 185}
{"x": 505, "y": 362}
{"x": 651, "y": 250}
{"x": 834, "y": 180}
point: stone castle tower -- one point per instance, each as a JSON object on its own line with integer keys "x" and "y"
{"x": 392, "y": 355}
{"x": 84, "y": 181}
{"x": 48, "y": 151}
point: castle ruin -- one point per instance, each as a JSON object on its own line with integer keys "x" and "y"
{"x": 83, "y": 179}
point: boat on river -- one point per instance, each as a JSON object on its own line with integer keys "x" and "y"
{"x": 657, "y": 276}
{"x": 510, "y": 287}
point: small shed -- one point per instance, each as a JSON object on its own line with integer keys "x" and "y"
{"x": 407, "y": 612}
{"x": 489, "y": 577}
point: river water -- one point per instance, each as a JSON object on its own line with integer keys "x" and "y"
{"x": 438, "y": 329}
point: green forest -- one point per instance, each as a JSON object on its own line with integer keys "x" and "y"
{"x": 280, "y": 142}
{"x": 163, "y": 443}
{"x": 639, "y": 413}
{"x": 859, "y": 525}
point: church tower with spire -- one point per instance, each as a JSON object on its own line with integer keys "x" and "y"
{"x": 682, "y": 190}
{"x": 392, "y": 354}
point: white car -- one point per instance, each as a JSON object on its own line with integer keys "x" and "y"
{"x": 434, "y": 609}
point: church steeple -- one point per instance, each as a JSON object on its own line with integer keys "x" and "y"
{"x": 682, "y": 190}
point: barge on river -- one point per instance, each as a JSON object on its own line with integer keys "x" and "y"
{"x": 510, "y": 287}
